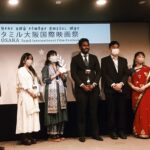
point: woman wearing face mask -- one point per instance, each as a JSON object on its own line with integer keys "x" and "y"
{"x": 55, "y": 96}
{"x": 139, "y": 82}
{"x": 27, "y": 106}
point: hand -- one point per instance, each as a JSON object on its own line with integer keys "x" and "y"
{"x": 137, "y": 89}
{"x": 86, "y": 88}
{"x": 91, "y": 87}
{"x": 33, "y": 95}
{"x": 117, "y": 87}
{"x": 142, "y": 89}
{"x": 62, "y": 75}
{"x": 57, "y": 73}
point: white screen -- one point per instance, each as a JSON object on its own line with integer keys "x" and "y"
{"x": 12, "y": 34}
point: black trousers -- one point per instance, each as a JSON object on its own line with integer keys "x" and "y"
{"x": 117, "y": 112}
{"x": 87, "y": 101}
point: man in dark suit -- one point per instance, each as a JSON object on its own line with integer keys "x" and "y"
{"x": 114, "y": 76}
{"x": 85, "y": 71}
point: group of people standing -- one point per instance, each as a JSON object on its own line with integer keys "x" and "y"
{"x": 28, "y": 88}
{"x": 86, "y": 73}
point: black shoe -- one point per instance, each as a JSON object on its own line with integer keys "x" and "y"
{"x": 122, "y": 135}
{"x": 33, "y": 141}
{"x": 29, "y": 136}
{"x": 2, "y": 148}
{"x": 82, "y": 139}
{"x": 98, "y": 138}
{"x": 114, "y": 136}
{"x": 26, "y": 142}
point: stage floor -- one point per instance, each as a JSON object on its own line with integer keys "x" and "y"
{"x": 73, "y": 144}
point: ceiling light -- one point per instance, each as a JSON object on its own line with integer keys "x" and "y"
{"x": 13, "y": 2}
{"x": 101, "y": 2}
{"x": 141, "y": 2}
{"x": 58, "y": 2}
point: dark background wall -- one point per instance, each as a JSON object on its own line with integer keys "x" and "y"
{"x": 8, "y": 121}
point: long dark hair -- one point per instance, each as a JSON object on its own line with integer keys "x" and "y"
{"x": 25, "y": 57}
{"x": 137, "y": 54}
{"x": 50, "y": 53}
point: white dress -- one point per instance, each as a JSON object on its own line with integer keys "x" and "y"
{"x": 27, "y": 107}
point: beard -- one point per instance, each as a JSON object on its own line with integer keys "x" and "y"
{"x": 85, "y": 51}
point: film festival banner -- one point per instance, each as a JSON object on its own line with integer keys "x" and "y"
{"x": 31, "y": 34}
{"x": 38, "y": 39}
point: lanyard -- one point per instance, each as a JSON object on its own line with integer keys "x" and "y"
{"x": 33, "y": 77}
{"x": 55, "y": 70}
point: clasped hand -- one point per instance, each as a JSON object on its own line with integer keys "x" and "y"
{"x": 87, "y": 87}
{"x": 140, "y": 89}
{"x": 117, "y": 87}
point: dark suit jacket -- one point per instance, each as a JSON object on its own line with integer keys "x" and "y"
{"x": 78, "y": 68}
{"x": 110, "y": 75}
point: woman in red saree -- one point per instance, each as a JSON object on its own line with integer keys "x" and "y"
{"x": 139, "y": 82}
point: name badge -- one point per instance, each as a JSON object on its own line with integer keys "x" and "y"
{"x": 34, "y": 87}
{"x": 87, "y": 71}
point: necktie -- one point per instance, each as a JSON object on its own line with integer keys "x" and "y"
{"x": 115, "y": 60}
{"x": 85, "y": 60}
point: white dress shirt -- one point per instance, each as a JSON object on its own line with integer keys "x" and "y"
{"x": 87, "y": 57}
{"x": 115, "y": 60}
{"x": 83, "y": 56}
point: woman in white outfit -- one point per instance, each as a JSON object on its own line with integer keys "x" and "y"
{"x": 27, "y": 105}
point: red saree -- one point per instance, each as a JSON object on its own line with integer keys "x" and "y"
{"x": 141, "y": 104}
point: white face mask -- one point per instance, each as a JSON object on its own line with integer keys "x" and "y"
{"x": 53, "y": 59}
{"x": 29, "y": 62}
{"x": 115, "y": 51}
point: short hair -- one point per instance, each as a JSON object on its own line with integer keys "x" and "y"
{"x": 83, "y": 40}
{"x": 113, "y": 43}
